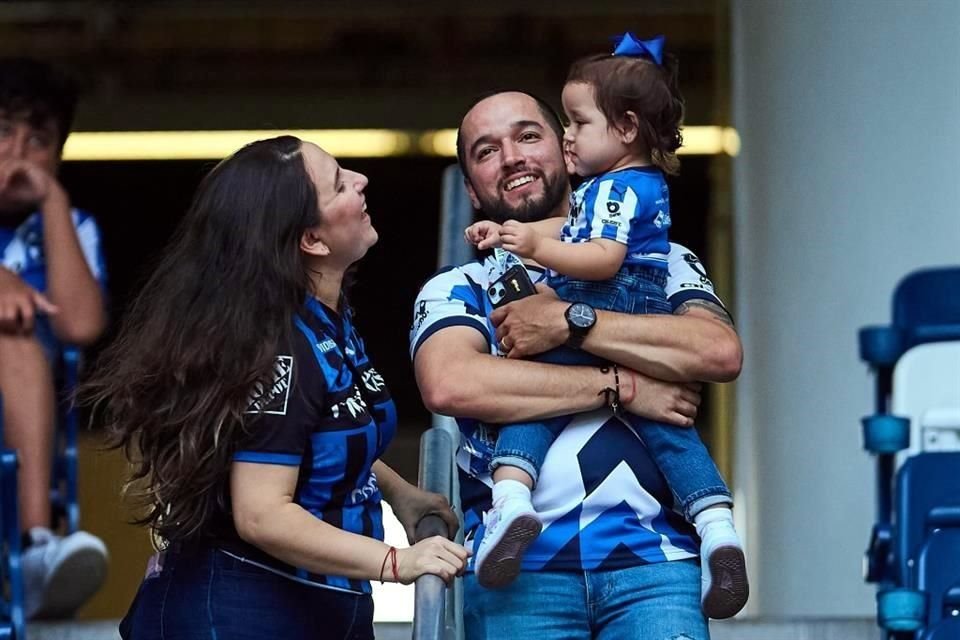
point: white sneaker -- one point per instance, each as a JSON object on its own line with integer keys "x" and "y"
{"x": 723, "y": 580}
{"x": 60, "y": 574}
{"x": 511, "y": 527}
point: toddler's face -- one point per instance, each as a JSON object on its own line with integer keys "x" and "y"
{"x": 593, "y": 147}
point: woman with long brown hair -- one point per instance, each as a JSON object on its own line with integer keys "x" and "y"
{"x": 253, "y": 417}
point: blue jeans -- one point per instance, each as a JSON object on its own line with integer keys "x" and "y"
{"x": 203, "y": 593}
{"x": 659, "y": 601}
{"x": 679, "y": 453}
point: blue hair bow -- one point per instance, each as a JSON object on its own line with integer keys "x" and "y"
{"x": 629, "y": 45}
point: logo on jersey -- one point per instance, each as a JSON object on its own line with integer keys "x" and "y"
{"x": 366, "y": 492}
{"x": 354, "y": 405}
{"x": 273, "y": 398}
{"x": 694, "y": 263}
{"x": 420, "y": 315}
{"x": 373, "y": 381}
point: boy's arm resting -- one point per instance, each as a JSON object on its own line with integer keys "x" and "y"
{"x": 70, "y": 284}
{"x": 697, "y": 342}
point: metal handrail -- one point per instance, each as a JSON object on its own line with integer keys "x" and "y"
{"x": 431, "y": 619}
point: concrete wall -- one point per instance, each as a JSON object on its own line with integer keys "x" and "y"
{"x": 849, "y": 177}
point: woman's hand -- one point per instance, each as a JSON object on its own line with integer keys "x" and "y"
{"x": 436, "y": 556}
{"x": 411, "y": 505}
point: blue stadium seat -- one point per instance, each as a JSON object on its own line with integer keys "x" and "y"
{"x": 910, "y": 555}
{"x": 63, "y": 497}
{"x": 63, "y": 479}
{"x": 938, "y": 576}
{"x": 11, "y": 582}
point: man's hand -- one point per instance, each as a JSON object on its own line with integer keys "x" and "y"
{"x": 532, "y": 325}
{"x": 19, "y": 304}
{"x": 23, "y": 183}
{"x": 519, "y": 238}
{"x": 674, "y": 403}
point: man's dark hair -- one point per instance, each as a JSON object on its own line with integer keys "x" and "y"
{"x": 548, "y": 112}
{"x": 36, "y": 92}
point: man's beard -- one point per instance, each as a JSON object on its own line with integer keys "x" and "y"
{"x": 531, "y": 208}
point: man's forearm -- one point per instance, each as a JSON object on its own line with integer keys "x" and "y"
{"x": 696, "y": 344}
{"x": 70, "y": 284}
{"x": 465, "y": 382}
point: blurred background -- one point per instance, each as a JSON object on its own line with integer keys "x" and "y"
{"x": 845, "y": 178}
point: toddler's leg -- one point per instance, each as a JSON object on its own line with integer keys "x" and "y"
{"x": 512, "y": 524}
{"x": 705, "y": 500}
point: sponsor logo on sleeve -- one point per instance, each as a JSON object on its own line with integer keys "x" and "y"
{"x": 272, "y": 398}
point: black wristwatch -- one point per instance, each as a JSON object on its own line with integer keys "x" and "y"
{"x": 580, "y": 319}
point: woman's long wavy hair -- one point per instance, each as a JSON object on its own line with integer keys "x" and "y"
{"x": 173, "y": 387}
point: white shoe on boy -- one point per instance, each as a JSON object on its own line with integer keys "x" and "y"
{"x": 60, "y": 573}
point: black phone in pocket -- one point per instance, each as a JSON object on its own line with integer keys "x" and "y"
{"x": 512, "y": 285}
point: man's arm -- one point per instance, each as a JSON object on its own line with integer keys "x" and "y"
{"x": 697, "y": 342}
{"x": 458, "y": 376}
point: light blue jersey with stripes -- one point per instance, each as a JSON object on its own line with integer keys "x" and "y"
{"x": 603, "y": 501}
{"x": 22, "y": 251}
{"x": 630, "y": 206}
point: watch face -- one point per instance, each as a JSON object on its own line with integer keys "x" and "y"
{"x": 581, "y": 315}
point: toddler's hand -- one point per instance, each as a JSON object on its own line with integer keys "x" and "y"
{"x": 519, "y": 238}
{"x": 483, "y": 235}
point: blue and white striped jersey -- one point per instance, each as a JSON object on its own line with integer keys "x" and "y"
{"x": 22, "y": 252}
{"x": 604, "y": 503}
{"x": 329, "y": 413}
{"x": 630, "y": 206}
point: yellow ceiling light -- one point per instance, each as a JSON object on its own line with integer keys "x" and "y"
{"x": 343, "y": 143}
{"x": 212, "y": 145}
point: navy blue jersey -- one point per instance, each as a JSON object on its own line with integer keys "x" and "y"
{"x": 328, "y": 412}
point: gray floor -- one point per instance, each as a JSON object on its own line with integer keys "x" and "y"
{"x": 839, "y": 629}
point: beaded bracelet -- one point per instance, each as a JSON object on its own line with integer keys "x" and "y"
{"x": 611, "y": 395}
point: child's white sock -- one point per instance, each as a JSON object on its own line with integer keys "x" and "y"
{"x": 711, "y": 515}
{"x": 510, "y": 490}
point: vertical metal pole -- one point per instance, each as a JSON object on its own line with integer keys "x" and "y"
{"x": 455, "y": 215}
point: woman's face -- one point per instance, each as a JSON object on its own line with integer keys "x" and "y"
{"x": 344, "y": 224}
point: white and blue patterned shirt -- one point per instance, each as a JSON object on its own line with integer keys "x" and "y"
{"x": 630, "y": 206}
{"x": 22, "y": 252}
{"x": 603, "y": 501}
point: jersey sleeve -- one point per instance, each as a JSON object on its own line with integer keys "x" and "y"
{"x": 450, "y": 298}
{"x": 282, "y": 414}
{"x": 687, "y": 278}
{"x": 613, "y": 206}
{"x": 88, "y": 235}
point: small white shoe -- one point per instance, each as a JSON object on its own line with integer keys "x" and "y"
{"x": 510, "y": 528}
{"x": 723, "y": 580}
{"x": 61, "y": 574}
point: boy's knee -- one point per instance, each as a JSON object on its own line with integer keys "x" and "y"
{"x": 22, "y": 360}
